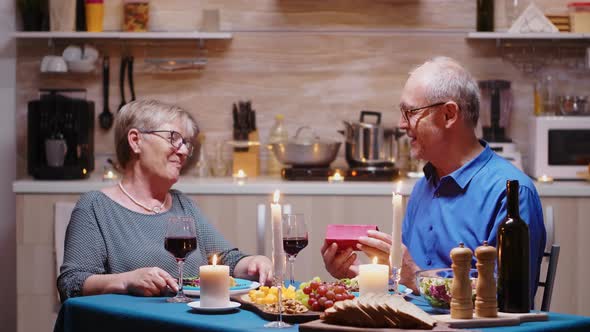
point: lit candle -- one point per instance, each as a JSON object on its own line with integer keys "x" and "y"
{"x": 373, "y": 278}
{"x": 214, "y": 284}
{"x": 395, "y": 252}
{"x": 337, "y": 177}
{"x": 240, "y": 177}
{"x": 278, "y": 258}
{"x": 545, "y": 178}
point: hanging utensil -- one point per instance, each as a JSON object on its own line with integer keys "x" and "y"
{"x": 105, "y": 118}
{"x": 130, "y": 77}
{"x": 122, "y": 81}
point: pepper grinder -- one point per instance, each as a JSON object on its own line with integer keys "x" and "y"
{"x": 486, "y": 304}
{"x": 461, "y": 293}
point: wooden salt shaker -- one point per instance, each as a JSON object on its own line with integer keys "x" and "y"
{"x": 461, "y": 293}
{"x": 486, "y": 304}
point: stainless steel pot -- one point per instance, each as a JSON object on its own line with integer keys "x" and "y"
{"x": 306, "y": 151}
{"x": 365, "y": 143}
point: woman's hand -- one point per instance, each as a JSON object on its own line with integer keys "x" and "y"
{"x": 252, "y": 266}
{"x": 340, "y": 264}
{"x": 149, "y": 281}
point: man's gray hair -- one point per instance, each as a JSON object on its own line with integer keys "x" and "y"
{"x": 447, "y": 80}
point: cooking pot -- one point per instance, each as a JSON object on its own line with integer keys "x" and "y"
{"x": 365, "y": 143}
{"x": 306, "y": 150}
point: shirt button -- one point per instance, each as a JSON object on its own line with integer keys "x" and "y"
{"x": 430, "y": 228}
{"x": 429, "y": 262}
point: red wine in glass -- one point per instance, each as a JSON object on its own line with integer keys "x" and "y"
{"x": 295, "y": 238}
{"x": 180, "y": 246}
{"x": 180, "y": 240}
{"x": 294, "y": 245}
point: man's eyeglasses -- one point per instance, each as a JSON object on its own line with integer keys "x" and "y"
{"x": 175, "y": 139}
{"x": 408, "y": 113}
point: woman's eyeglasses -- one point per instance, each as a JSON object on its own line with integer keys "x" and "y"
{"x": 408, "y": 113}
{"x": 175, "y": 139}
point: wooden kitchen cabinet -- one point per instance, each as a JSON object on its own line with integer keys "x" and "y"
{"x": 236, "y": 215}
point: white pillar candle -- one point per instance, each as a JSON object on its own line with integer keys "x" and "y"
{"x": 395, "y": 253}
{"x": 214, "y": 284}
{"x": 373, "y": 278}
{"x": 278, "y": 258}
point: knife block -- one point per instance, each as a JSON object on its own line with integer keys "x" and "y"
{"x": 248, "y": 161}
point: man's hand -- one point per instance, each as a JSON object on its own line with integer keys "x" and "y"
{"x": 340, "y": 264}
{"x": 376, "y": 244}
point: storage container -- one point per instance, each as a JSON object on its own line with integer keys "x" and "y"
{"x": 94, "y": 15}
{"x": 136, "y": 16}
{"x": 579, "y": 16}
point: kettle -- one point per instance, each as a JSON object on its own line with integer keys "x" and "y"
{"x": 365, "y": 143}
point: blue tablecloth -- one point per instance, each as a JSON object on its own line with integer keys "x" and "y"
{"x": 110, "y": 313}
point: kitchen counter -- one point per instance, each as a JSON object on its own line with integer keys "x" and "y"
{"x": 266, "y": 185}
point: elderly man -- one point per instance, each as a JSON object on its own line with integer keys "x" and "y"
{"x": 462, "y": 197}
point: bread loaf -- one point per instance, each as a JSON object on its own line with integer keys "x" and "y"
{"x": 381, "y": 310}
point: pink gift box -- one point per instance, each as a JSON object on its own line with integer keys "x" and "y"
{"x": 346, "y": 236}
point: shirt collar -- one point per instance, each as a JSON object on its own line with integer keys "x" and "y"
{"x": 465, "y": 173}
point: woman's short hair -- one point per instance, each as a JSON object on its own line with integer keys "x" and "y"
{"x": 148, "y": 115}
{"x": 447, "y": 80}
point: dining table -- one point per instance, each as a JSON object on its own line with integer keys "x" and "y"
{"x": 116, "y": 312}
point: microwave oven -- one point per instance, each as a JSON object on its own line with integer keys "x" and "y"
{"x": 560, "y": 147}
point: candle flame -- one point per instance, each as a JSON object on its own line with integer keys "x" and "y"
{"x": 214, "y": 260}
{"x": 241, "y": 173}
{"x": 375, "y": 260}
{"x": 276, "y": 196}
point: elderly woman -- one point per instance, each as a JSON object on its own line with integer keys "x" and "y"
{"x": 115, "y": 239}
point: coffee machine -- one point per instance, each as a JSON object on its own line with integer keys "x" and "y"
{"x": 495, "y": 113}
{"x": 60, "y": 138}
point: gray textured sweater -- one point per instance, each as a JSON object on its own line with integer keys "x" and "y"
{"x": 103, "y": 237}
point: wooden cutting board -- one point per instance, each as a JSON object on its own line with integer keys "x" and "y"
{"x": 503, "y": 319}
{"x": 320, "y": 326}
{"x": 288, "y": 318}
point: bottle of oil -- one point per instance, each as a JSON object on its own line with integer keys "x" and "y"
{"x": 513, "y": 257}
{"x": 278, "y": 133}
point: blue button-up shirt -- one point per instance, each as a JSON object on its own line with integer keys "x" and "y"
{"x": 467, "y": 206}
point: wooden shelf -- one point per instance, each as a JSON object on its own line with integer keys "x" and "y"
{"x": 524, "y": 36}
{"x": 193, "y": 35}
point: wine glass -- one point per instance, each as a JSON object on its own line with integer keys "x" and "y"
{"x": 181, "y": 240}
{"x": 295, "y": 238}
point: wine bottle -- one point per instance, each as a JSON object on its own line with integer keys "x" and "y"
{"x": 513, "y": 257}
{"x": 485, "y": 15}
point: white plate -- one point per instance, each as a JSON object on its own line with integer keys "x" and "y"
{"x": 253, "y": 285}
{"x": 197, "y": 306}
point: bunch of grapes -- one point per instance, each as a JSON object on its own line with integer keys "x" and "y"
{"x": 318, "y": 295}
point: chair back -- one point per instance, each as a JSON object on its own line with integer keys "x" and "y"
{"x": 550, "y": 277}
{"x": 61, "y": 219}
{"x": 63, "y": 213}
{"x": 552, "y": 252}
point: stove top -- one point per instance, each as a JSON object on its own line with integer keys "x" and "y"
{"x": 352, "y": 174}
